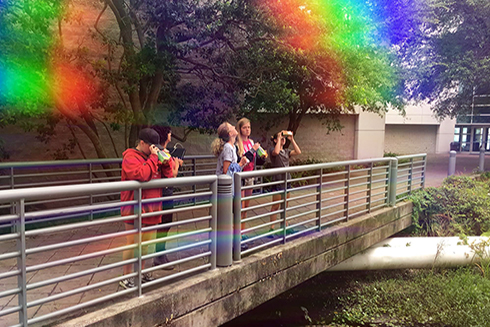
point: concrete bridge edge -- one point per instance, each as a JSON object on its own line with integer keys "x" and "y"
{"x": 215, "y": 297}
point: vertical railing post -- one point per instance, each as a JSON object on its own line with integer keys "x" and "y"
{"x": 392, "y": 182}
{"x": 423, "y": 172}
{"x": 370, "y": 187}
{"x": 12, "y": 186}
{"x": 319, "y": 199}
{"x": 284, "y": 205}
{"x": 138, "y": 226}
{"x": 214, "y": 222}
{"x": 481, "y": 163}
{"x": 237, "y": 218}
{"x": 224, "y": 242}
{"x": 91, "y": 200}
{"x": 410, "y": 177}
{"x": 194, "y": 173}
{"x": 21, "y": 261}
{"x": 452, "y": 163}
{"x": 347, "y": 191}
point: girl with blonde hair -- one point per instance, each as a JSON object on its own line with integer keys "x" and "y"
{"x": 224, "y": 148}
{"x": 246, "y": 144}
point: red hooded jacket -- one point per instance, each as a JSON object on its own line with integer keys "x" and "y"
{"x": 137, "y": 166}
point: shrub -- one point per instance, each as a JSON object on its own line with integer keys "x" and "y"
{"x": 460, "y": 206}
{"x": 457, "y": 298}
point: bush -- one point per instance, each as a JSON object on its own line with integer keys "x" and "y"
{"x": 460, "y": 206}
{"x": 418, "y": 298}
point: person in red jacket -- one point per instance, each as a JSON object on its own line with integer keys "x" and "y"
{"x": 141, "y": 164}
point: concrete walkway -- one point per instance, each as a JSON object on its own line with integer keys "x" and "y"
{"x": 438, "y": 164}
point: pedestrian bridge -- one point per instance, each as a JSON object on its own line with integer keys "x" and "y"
{"x": 61, "y": 245}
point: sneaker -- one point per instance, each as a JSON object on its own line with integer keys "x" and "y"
{"x": 162, "y": 260}
{"x": 271, "y": 236}
{"x": 147, "y": 277}
{"x": 127, "y": 283}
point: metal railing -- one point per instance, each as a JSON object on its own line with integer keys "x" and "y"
{"x": 87, "y": 262}
{"x": 411, "y": 171}
{"x": 79, "y": 264}
{"x": 316, "y": 196}
{"x": 18, "y": 175}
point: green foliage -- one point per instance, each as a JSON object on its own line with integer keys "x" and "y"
{"x": 456, "y": 298}
{"x": 460, "y": 206}
{"x": 446, "y": 52}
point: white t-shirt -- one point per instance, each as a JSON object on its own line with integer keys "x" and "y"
{"x": 228, "y": 154}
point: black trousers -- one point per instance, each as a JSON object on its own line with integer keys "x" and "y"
{"x": 166, "y": 218}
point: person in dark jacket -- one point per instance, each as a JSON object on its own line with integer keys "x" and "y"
{"x": 141, "y": 164}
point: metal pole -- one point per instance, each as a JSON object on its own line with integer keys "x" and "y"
{"x": 91, "y": 196}
{"x": 347, "y": 190}
{"x": 481, "y": 164}
{"x": 319, "y": 199}
{"x": 284, "y": 206}
{"x": 237, "y": 219}
{"x": 224, "y": 242}
{"x": 214, "y": 219}
{"x": 452, "y": 163}
{"x": 392, "y": 183}
{"x": 21, "y": 261}
{"x": 138, "y": 225}
{"x": 370, "y": 187}
{"x": 423, "y": 172}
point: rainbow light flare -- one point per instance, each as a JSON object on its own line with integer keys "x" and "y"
{"x": 34, "y": 72}
{"x": 337, "y": 33}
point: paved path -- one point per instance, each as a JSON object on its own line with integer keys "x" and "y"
{"x": 438, "y": 164}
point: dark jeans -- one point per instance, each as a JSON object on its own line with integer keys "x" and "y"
{"x": 166, "y": 218}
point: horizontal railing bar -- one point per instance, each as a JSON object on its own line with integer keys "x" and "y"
{"x": 304, "y": 223}
{"x": 77, "y": 242}
{"x": 176, "y": 223}
{"x": 180, "y": 261}
{"x": 176, "y": 210}
{"x": 8, "y": 237}
{"x": 302, "y": 214}
{"x": 301, "y": 205}
{"x": 261, "y": 246}
{"x": 176, "y": 236}
{"x": 176, "y": 275}
{"x": 333, "y": 213}
{"x": 301, "y": 232}
{"x": 254, "y": 228}
{"x": 71, "y": 190}
{"x": 80, "y": 258}
{"x": 263, "y": 205}
{"x": 333, "y": 205}
{"x": 10, "y": 292}
{"x": 8, "y": 274}
{"x": 331, "y": 222}
{"x": 267, "y": 214}
{"x": 79, "y": 225}
{"x": 178, "y": 249}
{"x": 10, "y": 311}
{"x": 10, "y": 255}
{"x": 80, "y": 274}
{"x": 334, "y": 197}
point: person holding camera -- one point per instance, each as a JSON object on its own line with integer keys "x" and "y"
{"x": 169, "y": 169}
{"x": 280, "y": 158}
{"x": 141, "y": 164}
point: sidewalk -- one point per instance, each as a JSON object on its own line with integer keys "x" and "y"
{"x": 438, "y": 164}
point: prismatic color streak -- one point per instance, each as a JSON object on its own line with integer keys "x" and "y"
{"x": 328, "y": 29}
{"x": 35, "y": 70}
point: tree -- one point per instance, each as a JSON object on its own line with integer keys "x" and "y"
{"x": 324, "y": 59}
{"x": 161, "y": 52}
{"x": 446, "y": 50}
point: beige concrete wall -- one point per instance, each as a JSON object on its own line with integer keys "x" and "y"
{"x": 312, "y": 138}
{"x": 369, "y": 136}
{"x": 410, "y": 139}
